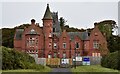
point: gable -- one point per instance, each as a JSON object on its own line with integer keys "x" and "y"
{"x": 96, "y": 32}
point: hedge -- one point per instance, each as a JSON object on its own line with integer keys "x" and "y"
{"x": 13, "y": 59}
{"x": 111, "y": 60}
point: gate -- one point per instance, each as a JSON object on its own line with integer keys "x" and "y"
{"x": 66, "y": 63}
{"x": 57, "y": 62}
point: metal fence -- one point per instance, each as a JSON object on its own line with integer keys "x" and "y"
{"x": 70, "y": 62}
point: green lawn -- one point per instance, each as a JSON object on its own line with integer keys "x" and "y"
{"x": 92, "y": 68}
{"x": 46, "y": 69}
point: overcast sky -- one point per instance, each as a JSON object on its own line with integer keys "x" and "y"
{"x": 78, "y": 14}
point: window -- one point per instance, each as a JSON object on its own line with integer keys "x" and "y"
{"x": 77, "y": 45}
{"x": 49, "y": 56}
{"x": 55, "y": 45}
{"x": 93, "y": 54}
{"x": 78, "y": 54}
{"x": 64, "y": 45}
{"x": 64, "y": 38}
{"x": 84, "y": 45}
{"x": 49, "y": 44}
{"x": 99, "y": 55}
{"x": 55, "y": 55}
{"x": 31, "y": 42}
{"x": 96, "y": 34}
{"x": 95, "y": 44}
{"x": 50, "y": 35}
{"x": 96, "y": 54}
{"x": 32, "y": 31}
{"x": 53, "y": 29}
{"x": 64, "y": 55}
{"x": 36, "y": 51}
{"x": 36, "y": 42}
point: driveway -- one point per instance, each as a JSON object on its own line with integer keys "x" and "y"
{"x": 60, "y": 71}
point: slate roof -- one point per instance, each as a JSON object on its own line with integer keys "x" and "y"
{"x": 81, "y": 35}
{"x": 19, "y": 33}
{"x": 47, "y": 14}
{"x": 56, "y": 24}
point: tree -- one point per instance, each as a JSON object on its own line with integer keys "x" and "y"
{"x": 8, "y": 35}
{"x": 114, "y": 43}
{"x": 106, "y": 27}
{"x": 62, "y": 22}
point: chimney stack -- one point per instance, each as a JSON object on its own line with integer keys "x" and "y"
{"x": 95, "y": 24}
{"x": 33, "y": 21}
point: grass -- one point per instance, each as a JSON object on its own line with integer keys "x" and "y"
{"x": 46, "y": 69}
{"x": 92, "y": 68}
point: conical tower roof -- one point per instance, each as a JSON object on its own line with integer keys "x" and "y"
{"x": 47, "y": 14}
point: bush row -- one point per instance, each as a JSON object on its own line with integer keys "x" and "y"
{"x": 111, "y": 60}
{"x": 13, "y": 59}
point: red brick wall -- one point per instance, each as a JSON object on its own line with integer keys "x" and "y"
{"x": 47, "y": 29}
{"x": 73, "y": 46}
{"x": 86, "y": 46}
{"x": 97, "y": 35}
{"x": 64, "y": 38}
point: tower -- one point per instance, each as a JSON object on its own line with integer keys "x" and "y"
{"x": 47, "y": 29}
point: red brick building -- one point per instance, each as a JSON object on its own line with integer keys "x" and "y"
{"x": 49, "y": 42}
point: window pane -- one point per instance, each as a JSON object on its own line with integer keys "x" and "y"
{"x": 55, "y": 45}
{"x": 77, "y": 45}
{"x": 64, "y": 45}
{"x": 95, "y": 44}
{"x": 64, "y": 55}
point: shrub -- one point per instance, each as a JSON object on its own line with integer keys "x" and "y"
{"x": 13, "y": 59}
{"x": 111, "y": 60}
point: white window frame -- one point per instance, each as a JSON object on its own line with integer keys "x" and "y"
{"x": 95, "y": 44}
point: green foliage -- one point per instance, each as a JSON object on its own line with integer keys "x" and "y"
{"x": 114, "y": 43}
{"x": 93, "y": 69}
{"x": 62, "y": 22}
{"x": 8, "y": 35}
{"x": 13, "y": 59}
{"x": 111, "y": 61}
{"x": 106, "y": 27}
